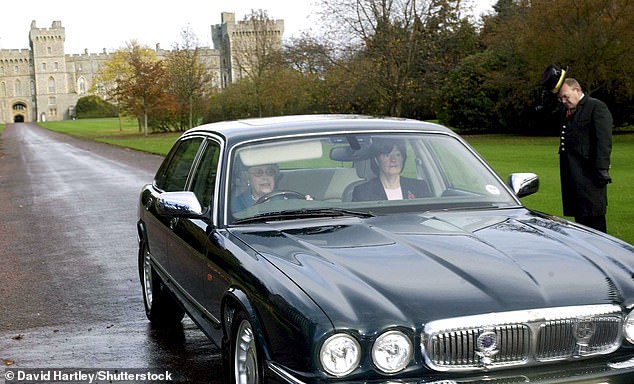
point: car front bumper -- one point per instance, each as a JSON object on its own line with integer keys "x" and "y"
{"x": 612, "y": 371}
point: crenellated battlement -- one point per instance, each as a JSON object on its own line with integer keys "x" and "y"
{"x": 14, "y": 53}
{"x": 56, "y": 28}
{"x": 85, "y": 55}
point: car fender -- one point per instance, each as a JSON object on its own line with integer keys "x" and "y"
{"x": 234, "y": 300}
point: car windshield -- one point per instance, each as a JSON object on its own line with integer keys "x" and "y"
{"x": 359, "y": 174}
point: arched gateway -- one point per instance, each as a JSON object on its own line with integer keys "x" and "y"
{"x": 20, "y": 110}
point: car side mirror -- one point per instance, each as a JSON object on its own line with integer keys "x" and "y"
{"x": 179, "y": 204}
{"x": 523, "y": 184}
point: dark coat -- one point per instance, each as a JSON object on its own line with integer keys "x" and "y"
{"x": 372, "y": 190}
{"x": 585, "y": 147}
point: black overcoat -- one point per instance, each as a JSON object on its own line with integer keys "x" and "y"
{"x": 373, "y": 190}
{"x": 585, "y": 147}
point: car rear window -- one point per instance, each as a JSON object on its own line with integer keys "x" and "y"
{"x": 172, "y": 176}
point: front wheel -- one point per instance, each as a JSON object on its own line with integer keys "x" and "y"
{"x": 160, "y": 307}
{"x": 245, "y": 360}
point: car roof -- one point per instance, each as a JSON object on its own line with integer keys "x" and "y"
{"x": 245, "y": 129}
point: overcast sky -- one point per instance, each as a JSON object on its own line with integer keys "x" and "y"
{"x": 111, "y": 24}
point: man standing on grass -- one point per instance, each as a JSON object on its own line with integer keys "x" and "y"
{"x": 584, "y": 155}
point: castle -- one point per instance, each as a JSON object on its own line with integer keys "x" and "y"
{"x": 43, "y": 83}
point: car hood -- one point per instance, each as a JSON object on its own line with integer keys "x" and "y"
{"x": 414, "y": 268}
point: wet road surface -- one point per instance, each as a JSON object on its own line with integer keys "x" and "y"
{"x": 70, "y": 295}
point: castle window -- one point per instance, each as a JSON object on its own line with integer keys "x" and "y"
{"x": 56, "y": 65}
{"x": 18, "y": 88}
{"x": 51, "y": 85}
{"x": 82, "y": 85}
{"x": 49, "y": 50}
{"x": 3, "y": 90}
{"x": 44, "y": 67}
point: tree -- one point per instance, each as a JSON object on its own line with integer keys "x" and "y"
{"x": 189, "y": 78}
{"x": 308, "y": 55}
{"x": 592, "y": 39}
{"x": 399, "y": 51}
{"x": 105, "y": 84}
{"x": 298, "y": 83}
{"x": 143, "y": 93}
{"x": 468, "y": 100}
{"x": 134, "y": 80}
{"x": 447, "y": 37}
{"x": 379, "y": 48}
{"x": 93, "y": 107}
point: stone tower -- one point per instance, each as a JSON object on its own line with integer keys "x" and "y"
{"x": 16, "y": 86}
{"x": 236, "y": 43}
{"x": 54, "y": 90}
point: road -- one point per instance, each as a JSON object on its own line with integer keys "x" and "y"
{"x": 70, "y": 295}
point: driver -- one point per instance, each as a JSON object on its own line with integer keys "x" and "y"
{"x": 261, "y": 181}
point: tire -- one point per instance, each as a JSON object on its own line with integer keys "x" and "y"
{"x": 245, "y": 361}
{"x": 160, "y": 307}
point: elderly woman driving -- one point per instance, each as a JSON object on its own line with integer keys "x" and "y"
{"x": 262, "y": 181}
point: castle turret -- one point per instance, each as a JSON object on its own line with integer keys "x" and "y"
{"x": 239, "y": 40}
{"x": 53, "y": 84}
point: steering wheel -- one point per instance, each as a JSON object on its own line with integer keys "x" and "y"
{"x": 279, "y": 195}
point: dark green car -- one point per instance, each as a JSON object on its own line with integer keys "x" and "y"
{"x": 352, "y": 249}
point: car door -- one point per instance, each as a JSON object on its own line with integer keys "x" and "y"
{"x": 188, "y": 246}
{"x": 171, "y": 177}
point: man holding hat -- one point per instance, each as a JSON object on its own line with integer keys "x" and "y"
{"x": 584, "y": 152}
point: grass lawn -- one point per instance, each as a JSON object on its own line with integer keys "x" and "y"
{"x": 505, "y": 153}
{"x": 110, "y": 131}
{"x": 508, "y": 154}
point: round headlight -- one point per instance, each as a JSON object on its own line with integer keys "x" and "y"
{"x": 392, "y": 351}
{"x": 628, "y": 327}
{"x": 340, "y": 354}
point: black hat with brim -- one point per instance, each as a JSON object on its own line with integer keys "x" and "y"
{"x": 552, "y": 78}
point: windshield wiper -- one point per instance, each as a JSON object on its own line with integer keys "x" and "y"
{"x": 339, "y": 212}
{"x": 304, "y": 213}
{"x": 468, "y": 207}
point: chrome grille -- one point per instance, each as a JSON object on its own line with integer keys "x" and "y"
{"x": 528, "y": 337}
{"x": 458, "y": 348}
{"x": 557, "y": 339}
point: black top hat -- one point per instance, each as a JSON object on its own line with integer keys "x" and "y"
{"x": 552, "y": 78}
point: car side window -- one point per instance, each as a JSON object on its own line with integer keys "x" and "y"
{"x": 205, "y": 175}
{"x": 173, "y": 176}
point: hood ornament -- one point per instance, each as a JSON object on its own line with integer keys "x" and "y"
{"x": 487, "y": 347}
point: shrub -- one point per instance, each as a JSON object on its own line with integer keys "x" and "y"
{"x": 94, "y": 107}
